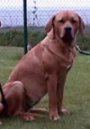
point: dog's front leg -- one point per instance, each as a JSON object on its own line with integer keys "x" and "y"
{"x": 52, "y": 92}
{"x": 60, "y": 92}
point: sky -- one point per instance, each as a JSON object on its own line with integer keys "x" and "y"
{"x": 46, "y": 3}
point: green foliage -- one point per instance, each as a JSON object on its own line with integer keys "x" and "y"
{"x": 14, "y": 37}
{"x": 35, "y": 37}
{"x": 11, "y": 38}
{"x": 84, "y": 42}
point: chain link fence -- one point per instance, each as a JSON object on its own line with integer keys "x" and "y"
{"x": 39, "y": 11}
{"x": 38, "y": 14}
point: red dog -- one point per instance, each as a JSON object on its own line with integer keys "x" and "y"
{"x": 43, "y": 69}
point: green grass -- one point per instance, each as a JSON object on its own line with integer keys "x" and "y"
{"x": 76, "y": 98}
{"x": 9, "y": 56}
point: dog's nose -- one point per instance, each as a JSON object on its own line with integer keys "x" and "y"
{"x": 68, "y": 29}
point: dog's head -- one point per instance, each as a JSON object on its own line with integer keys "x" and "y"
{"x": 65, "y": 25}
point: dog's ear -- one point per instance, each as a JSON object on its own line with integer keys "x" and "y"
{"x": 50, "y": 24}
{"x": 81, "y": 25}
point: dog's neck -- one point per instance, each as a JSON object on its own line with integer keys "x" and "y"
{"x": 60, "y": 51}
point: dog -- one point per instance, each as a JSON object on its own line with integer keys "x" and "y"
{"x": 43, "y": 70}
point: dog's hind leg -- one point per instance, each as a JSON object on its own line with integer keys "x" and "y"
{"x": 16, "y": 101}
{"x": 14, "y": 95}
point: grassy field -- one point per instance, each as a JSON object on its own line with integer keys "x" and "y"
{"x": 76, "y": 98}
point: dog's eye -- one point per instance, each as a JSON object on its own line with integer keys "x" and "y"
{"x": 62, "y": 21}
{"x": 73, "y": 21}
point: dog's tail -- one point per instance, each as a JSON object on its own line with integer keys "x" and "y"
{"x": 3, "y": 97}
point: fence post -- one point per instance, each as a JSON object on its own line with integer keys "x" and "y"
{"x": 25, "y": 25}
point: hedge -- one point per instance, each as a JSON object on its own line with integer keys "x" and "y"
{"x": 14, "y": 37}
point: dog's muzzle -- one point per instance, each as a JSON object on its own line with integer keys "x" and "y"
{"x": 68, "y": 37}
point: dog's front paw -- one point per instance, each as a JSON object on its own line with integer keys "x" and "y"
{"x": 54, "y": 116}
{"x": 26, "y": 116}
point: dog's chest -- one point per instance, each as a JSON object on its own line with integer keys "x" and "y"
{"x": 58, "y": 65}
{"x": 63, "y": 62}
{"x": 58, "y": 60}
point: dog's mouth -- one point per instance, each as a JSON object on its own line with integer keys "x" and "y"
{"x": 67, "y": 38}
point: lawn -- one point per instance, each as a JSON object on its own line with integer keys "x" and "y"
{"x": 76, "y": 98}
